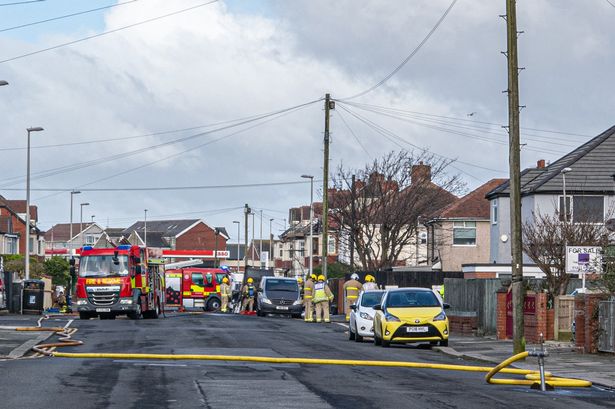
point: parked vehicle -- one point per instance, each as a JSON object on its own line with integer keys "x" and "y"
{"x": 409, "y": 315}
{"x": 278, "y": 295}
{"x": 361, "y": 322}
{"x": 195, "y": 288}
{"x": 116, "y": 281}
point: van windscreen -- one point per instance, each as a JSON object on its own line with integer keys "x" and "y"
{"x": 281, "y": 285}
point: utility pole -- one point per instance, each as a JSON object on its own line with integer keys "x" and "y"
{"x": 325, "y": 187}
{"x": 352, "y": 221}
{"x": 246, "y": 212}
{"x": 270, "y": 256}
{"x": 515, "y": 178}
{"x": 260, "y": 246}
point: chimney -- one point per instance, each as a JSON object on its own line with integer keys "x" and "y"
{"x": 420, "y": 172}
{"x": 540, "y": 164}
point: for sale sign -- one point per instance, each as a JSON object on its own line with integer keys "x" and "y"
{"x": 583, "y": 259}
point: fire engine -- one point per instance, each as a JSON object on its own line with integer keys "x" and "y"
{"x": 117, "y": 281}
{"x": 194, "y": 288}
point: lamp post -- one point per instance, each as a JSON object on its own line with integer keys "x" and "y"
{"x": 311, "y": 220}
{"x": 74, "y": 192}
{"x": 565, "y": 231}
{"x": 270, "y": 241}
{"x": 260, "y": 245}
{"x": 81, "y": 220}
{"x": 3, "y": 82}
{"x": 217, "y": 233}
{"x": 238, "y": 237}
{"x": 93, "y": 216}
{"x": 27, "y": 258}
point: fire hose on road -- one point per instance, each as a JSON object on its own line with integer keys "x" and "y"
{"x": 532, "y": 377}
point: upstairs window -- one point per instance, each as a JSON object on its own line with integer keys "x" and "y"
{"x": 464, "y": 233}
{"x": 582, "y": 209}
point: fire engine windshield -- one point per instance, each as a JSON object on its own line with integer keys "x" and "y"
{"x": 103, "y": 266}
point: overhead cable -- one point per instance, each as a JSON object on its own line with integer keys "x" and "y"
{"x": 409, "y": 57}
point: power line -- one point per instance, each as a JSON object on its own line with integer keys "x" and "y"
{"x": 353, "y": 134}
{"x": 17, "y": 3}
{"x": 409, "y": 57}
{"x": 64, "y": 16}
{"x": 81, "y": 165}
{"x": 612, "y": 4}
{"x": 107, "y": 32}
{"x": 163, "y": 188}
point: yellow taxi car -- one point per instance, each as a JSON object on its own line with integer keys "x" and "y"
{"x": 409, "y": 315}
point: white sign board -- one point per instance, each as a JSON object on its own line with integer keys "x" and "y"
{"x": 583, "y": 259}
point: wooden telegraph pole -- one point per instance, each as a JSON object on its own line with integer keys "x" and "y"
{"x": 515, "y": 178}
{"x": 325, "y": 187}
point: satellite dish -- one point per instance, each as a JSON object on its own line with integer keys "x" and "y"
{"x": 610, "y": 225}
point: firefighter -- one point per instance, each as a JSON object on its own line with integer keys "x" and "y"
{"x": 322, "y": 297}
{"x": 249, "y": 292}
{"x": 370, "y": 283}
{"x": 225, "y": 294}
{"x": 352, "y": 288}
{"x": 308, "y": 294}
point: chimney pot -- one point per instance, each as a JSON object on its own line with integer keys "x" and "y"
{"x": 540, "y": 164}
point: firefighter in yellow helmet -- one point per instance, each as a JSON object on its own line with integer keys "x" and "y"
{"x": 322, "y": 297}
{"x": 225, "y": 294}
{"x": 352, "y": 288}
{"x": 249, "y": 292}
{"x": 370, "y": 283}
{"x": 308, "y": 295}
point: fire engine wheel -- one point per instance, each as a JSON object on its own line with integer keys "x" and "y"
{"x": 152, "y": 314}
{"x": 83, "y": 315}
{"x": 135, "y": 315}
{"x": 213, "y": 305}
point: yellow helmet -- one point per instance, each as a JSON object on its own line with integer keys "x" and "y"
{"x": 369, "y": 278}
{"x": 225, "y": 280}
{"x": 313, "y": 277}
{"x": 250, "y": 280}
{"x": 321, "y": 278}
{"x": 299, "y": 279}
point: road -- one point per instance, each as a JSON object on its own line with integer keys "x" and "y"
{"x": 90, "y": 383}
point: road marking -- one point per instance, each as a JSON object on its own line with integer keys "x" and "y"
{"x": 342, "y": 324}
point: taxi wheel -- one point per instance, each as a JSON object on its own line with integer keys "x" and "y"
{"x": 377, "y": 340}
{"x": 351, "y": 335}
{"x": 444, "y": 343}
{"x": 385, "y": 343}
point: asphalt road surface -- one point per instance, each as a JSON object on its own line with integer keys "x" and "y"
{"x": 96, "y": 383}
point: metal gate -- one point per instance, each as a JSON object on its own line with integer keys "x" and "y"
{"x": 606, "y": 317}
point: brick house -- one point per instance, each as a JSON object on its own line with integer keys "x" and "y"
{"x": 460, "y": 234}
{"x": 13, "y": 228}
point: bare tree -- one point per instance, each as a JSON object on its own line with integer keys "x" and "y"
{"x": 544, "y": 241}
{"x": 380, "y": 212}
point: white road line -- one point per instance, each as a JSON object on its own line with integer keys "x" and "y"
{"x": 342, "y": 324}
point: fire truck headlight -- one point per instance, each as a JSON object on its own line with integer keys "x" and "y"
{"x": 126, "y": 301}
{"x": 81, "y": 302}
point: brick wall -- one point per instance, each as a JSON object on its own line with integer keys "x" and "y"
{"x": 501, "y": 315}
{"x": 463, "y": 324}
{"x": 579, "y": 321}
{"x": 536, "y": 322}
{"x": 200, "y": 237}
{"x": 479, "y": 275}
{"x": 586, "y": 321}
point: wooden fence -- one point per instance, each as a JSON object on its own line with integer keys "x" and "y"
{"x": 474, "y": 297}
{"x": 564, "y": 317}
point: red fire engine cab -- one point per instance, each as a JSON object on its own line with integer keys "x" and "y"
{"x": 119, "y": 281}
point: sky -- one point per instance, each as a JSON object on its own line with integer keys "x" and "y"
{"x": 158, "y": 104}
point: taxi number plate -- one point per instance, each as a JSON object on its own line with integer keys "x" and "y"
{"x": 281, "y": 308}
{"x": 417, "y": 329}
{"x": 103, "y": 309}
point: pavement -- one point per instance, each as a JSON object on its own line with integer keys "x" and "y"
{"x": 140, "y": 383}
{"x": 16, "y": 344}
{"x": 563, "y": 360}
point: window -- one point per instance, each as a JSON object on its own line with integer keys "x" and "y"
{"x": 588, "y": 209}
{"x": 219, "y": 277}
{"x": 561, "y": 209}
{"x": 209, "y": 278}
{"x": 10, "y": 245}
{"x": 281, "y": 252}
{"x": 32, "y": 249}
{"x": 331, "y": 246}
{"x": 301, "y": 247}
{"x": 89, "y": 239}
{"x": 494, "y": 211}
{"x": 464, "y": 233}
{"x": 197, "y": 279}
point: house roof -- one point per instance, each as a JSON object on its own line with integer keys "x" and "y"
{"x": 474, "y": 204}
{"x": 592, "y": 171}
{"x": 19, "y": 206}
{"x": 156, "y": 239}
{"x": 170, "y": 228}
{"x": 61, "y": 231}
{"x": 232, "y": 249}
{"x": 115, "y": 232}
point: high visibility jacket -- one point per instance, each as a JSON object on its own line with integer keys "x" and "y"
{"x": 225, "y": 290}
{"x": 249, "y": 290}
{"x": 322, "y": 292}
{"x": 308, "y": 290}
{"x": 352, "y": 288}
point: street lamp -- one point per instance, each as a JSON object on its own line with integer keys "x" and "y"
{"x": 3, "y": 82}
{"x": 563, "y": 172}
{"x": 74, "y": 192}
{"x": 311, "y": 220}
{"x": 145, "y": 229}
{"x": 27, "y": 258}
{"x": 81, "y": 220}
{"x": 270, "y": 241}
{"x": 238, "y": 236}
